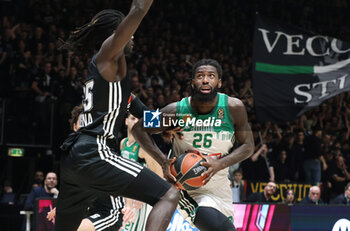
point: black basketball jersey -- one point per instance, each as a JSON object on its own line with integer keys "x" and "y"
{"x": 105, "y": 104}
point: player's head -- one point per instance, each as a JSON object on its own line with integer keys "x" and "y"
{"x": 130, "y": 121}
{"x": 206, "y": 79}
{"x": 94, "y": 33}
{"x": 74, "y": 120}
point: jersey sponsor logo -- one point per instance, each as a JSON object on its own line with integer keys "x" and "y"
{"x": 151, "y": 118}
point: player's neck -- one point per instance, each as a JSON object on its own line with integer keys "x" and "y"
{"x": 201, "y": 107}
{"x": 131, "y": 140}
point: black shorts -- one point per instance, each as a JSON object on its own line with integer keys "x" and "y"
{"x": 106, "y": 213}
{"x": 92, "y": 169}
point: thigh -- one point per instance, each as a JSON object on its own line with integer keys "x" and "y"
{"x": 97, "y": 167}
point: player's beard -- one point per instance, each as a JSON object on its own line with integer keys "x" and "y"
{"x": 198, "y": 95}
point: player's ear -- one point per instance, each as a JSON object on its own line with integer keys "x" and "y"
{"x": 75, "y": 127}
{"x": 192, "y": 83}
{"x": 219, "y": 83}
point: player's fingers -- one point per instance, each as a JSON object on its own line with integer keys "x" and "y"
{"x": 207, "y": 179}
{"x": 172, "y": 160}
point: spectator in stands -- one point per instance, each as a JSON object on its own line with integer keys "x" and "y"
{"x": 7, "y": 196}
{"x": 313, "y": 154}
{"x": 237, "y": 186}
{"x": 265, "y": 196}
{"x": 48, "y": 190}
{"x": 296, "y": 156}
{"x": 281, "y": 168}
{"x": 340, "y": 176}
{"x": 38, "y": 179}
{"x": 289, "y": 198}
{"x": 314, "y": 196}
{"x": 43, "y": 84}
{"x": 263, "y": 171}
{"x": 343, "y": 198}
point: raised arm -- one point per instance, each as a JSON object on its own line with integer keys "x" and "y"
{"x": 115, "y": 44}
{"x": 144, "y": 138}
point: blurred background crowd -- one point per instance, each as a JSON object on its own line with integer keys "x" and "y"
{"x": 40, "y": 84}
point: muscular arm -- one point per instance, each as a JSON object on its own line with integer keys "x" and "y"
{"x": 243, "y": 133}
{"x": 113, "y": 46}
{"x": 151, "y": 163}
{"x": 244, "y": 138}
{"x": 137, "y": 107}
{"x": 144, "y": 138}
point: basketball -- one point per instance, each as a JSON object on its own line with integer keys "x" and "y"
{"x": 187, "y": 170}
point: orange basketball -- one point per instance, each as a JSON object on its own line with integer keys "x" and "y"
{"x": 187, "y": 170}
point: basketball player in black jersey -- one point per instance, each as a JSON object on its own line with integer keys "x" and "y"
{"x": 105, "y": 214}
{"x": 91, "y": 166}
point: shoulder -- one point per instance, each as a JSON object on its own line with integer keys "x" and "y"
{"x": 38, "y": 190}
{"x": 234, "y": 102}
{"x": 122, "y": 142}
{"x": 237, "y": 110}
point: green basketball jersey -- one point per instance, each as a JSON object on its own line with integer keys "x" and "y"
{"x": 210, "y": 133}
{"x": 130, "y": 152}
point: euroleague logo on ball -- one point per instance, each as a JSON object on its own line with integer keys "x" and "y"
{"x": 188, "y": 170}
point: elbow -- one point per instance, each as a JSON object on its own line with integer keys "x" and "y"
{"x": 139, "y": 9}
{"x": 250, "y": 150}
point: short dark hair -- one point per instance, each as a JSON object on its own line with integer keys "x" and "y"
{"x": 77, "y": 110}
{"x": 209, "y": 62}
{"x": 238, "y": 170}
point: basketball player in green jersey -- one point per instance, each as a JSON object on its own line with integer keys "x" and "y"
{"x": 130, "y": 149}
{"x": 212, "y": 122}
